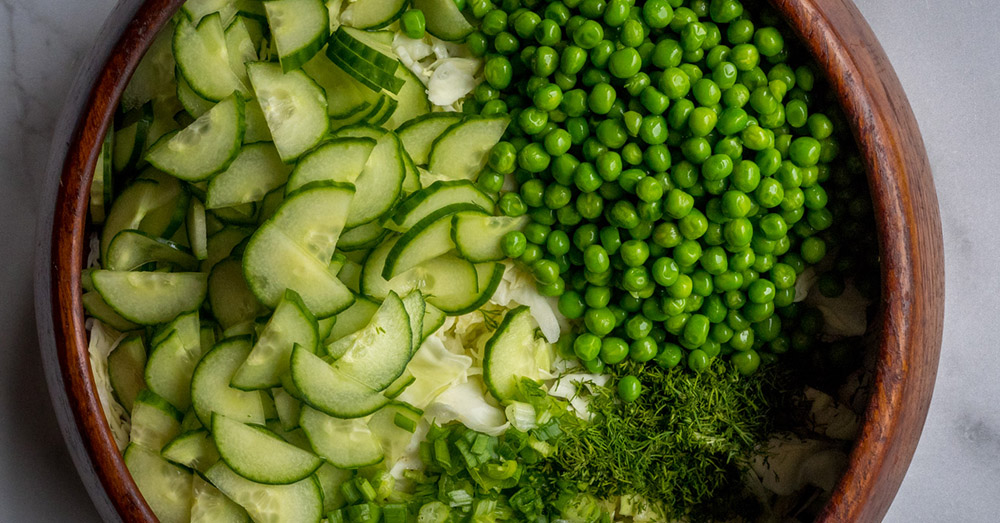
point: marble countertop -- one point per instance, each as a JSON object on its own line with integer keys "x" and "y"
{"x": 945, "y": 53}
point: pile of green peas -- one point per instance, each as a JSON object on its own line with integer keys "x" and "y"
{"x": 672, "y": 157}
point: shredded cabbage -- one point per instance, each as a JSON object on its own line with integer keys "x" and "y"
{"x": 790, "y": 463}
{"x": 435, "y": 369}
{"x": 467, "y": 403}
{"x": 103, "y": 340}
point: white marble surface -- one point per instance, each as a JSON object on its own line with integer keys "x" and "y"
{"x": 946, "y": 54}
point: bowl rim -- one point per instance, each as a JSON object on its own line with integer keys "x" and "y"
{"x": 884, "y": 127}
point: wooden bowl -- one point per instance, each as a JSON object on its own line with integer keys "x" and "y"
{"x": 883, "y": 124}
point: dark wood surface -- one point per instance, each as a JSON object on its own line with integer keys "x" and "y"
{"x": 909, "y": 229}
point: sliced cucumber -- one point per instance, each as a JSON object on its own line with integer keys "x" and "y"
{"x": 313, "y": 216}
{"x": 194, "y": 449}
{"x": 361, "y": 130}
{"x": 377, "y": 354}
{"x": 367, "y": 46}
{"x": 389, "y": 426}
{"x": 447, "y": 282}
{"x": 490, "y": 274}
{"x": 153, "y": 77}
{"x": 419, "y": 133}
{"x": 210, "y": 390}
{"x": 203, "y": 58}
{"x": 477, "y": 235}
{"x": 299, "y": 29}
{"x": 300, "y": 502}
{"x": 273, "y": 263}
{"x": 132, "y": 205}
{"x": 344, "y": 95}
{"x": 415, "y": 306}
{"x": 154, "y": 421}
{"x": 358, "y": 62}
{"x": 330, "y": 390}
{"x": 363, "y": 236}
{"x": 373, "y": 14}
{"x": 291, "y": 324}
{"x": 130, "y": 137}
{"x": 288, "y": 408}
{"x": 205, "y": 147}
{"x": 148, "y": 298}
{"x": 173, "y": 359}
{"x": 460, "y": 153}
{"x": 257, "y": 130}
{"x": 221, "y": 245}
{"x": 412, "y": 98}
{"x": 444, "y": 19}
{"x": 103, "y": 183}
{"x": 95, "y": 306}
{"x": 294, "y": 107}
{"x": 380, "y": 183}
{"x": 197, "y": 229}
{"x": 344, "y": 443}
{"x": 330, "y": 479}
{"x": 210, "y": 505}
{"x": 198, "y": 9}
{"x": 510, "y": 354}
{"x": 125, "y": 368}
{"x": 339, "y": 160}
{"x": 256, "y": 171}
{"x": 165, "y": 486}
{"x": 132, "y": 248}
{"x": 433, "y": 320}
{"x": 258, "y": 455}
{"x": 164, "y": 221}
{"x": 437, "y": 196}
{"x": 240, "y": 50}
{"x": 353, "y": 319}
{"x": 232, "y": 301}
{"x": 429, "y": 238}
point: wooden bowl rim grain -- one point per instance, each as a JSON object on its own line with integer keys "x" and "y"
{"x": 908, "y": 223}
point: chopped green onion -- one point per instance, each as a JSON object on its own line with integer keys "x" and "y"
{"x": 350, "y": 492}
{"x": 337, "y": 516}
{"x": 521, "y": 415}
{"x": 395, "y": 513}
{"x": 405, "y": 423}
{"x": 366, "y": 489}
{"x": 434, "y": 512}
{"x": 441, "y": 454}
{"x": 364, "y": 513}
{"x": 459, "y": 498}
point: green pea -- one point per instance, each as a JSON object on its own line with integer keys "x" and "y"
{"x": 680, "y": 111}
{"x": 478, "y": 45}
{"x": 634, "y": 253}
{"x": 643, "y": 349}
{"x": 769, "y": 41}
{"x": 612, "y": 134}
{"x": 511, "y": 205}
{"x": 653, "y": 129}
{"x": 599, "y": 322}
{"x": 657, "y": 13}
{"x": 694, "y": 225}
{"x": 675, "y": 83}
{"x": 783, "y": 276}
{"x": 631, "y": 34}
{"x": 588, "y": 34}
{"x": 805, "y": 151}
{"x": 746, "y": 362}
{"x": 624, "y": 63}
{"x": 558, "y": 243}
{"x": 513, "y": 244}
{"x": 596, "y": 259}
{"x": 587, "y": 346}
{"x": 769, "y": 193}
{"x": 736, "y": 96}
{"x": 635, "y": 279}
{"x": 693, "y": 35}
{"x": 490, "y": 180}
{"x": 413, "y": 23}
{"x": 670, "y": 356}
{"x": 548, "y": 32}
{"x": 738, "y": 232}
{"x": 498, "y": 72}
{"x": 813, "y": 249}
{"x": 601, "y": 97}
{"x": 571, "y": 305}
{"x": 557, "y": 196}
{"x": 629, "y": 389}
{"x": 745, "y": 57}
{"x": 533, "y": 158}
{"x": 697, "y": 360}
{"x": 768, "y": 161}
{"x": 613, "y": 350}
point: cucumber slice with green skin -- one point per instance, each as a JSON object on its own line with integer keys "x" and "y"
{"x": 155, "y": 422}
{"x": 165, "y": 486}
{"x": 294, "y": 107}
{"x": 313, "y": 216}
{"x": 377, "y": 354}
{"x": 380, "y": 183}
{"x": 330, "y": 390}
{"x": 256, "y": 171}
{"x": 193, "y": 449}
{"x": 411, "y": 180}
{"x": 344, "y": 95}
{"x": 232, "y": 301}
{"x": 362, "y": 129}
{"x": 205, "y": 147}
{"x": 433, "y": 320}
{"x": 353, "y": 319}
{"x": 336, "y": 124}
{"x": 325, "y": 325}
{"x": 460, "y": 153}
{"x": 363, "y": 70}
{"x": 447, "y": 282}
{"x": 288, "y": 408}
{"x": 350, "y": 273}
{"x": 339, "y": 160}
{"x": 195, "y": 10}
{"x": 173, "y": 360}
{"x": 125, "y": 369}
{"x": 477, "y": 235}
{"x": 291, "y": 324}
{"x": 419, "y": 133}
{"x": 210, "y": 390}
{"x": 192, "y": 102}
{"x": 98, "y": 308}
{"x": 366, "y": 45}
{"x": 373, "y": 14}
{"x": 257, "y": 130}
{"x": 197, "y": 229}
{"x": 510, "y": 354}
{"x": 273, "y": 263}
{"x": 490, "y": 274}
{"x": 299, "y": 29}
{"x": 270, "y": 204}
{"x": 437, "y": 195}
{"x": 210, "y": 505}
{"x": 415, "y": 305}
{"x": 296, "y": 437}
{"x": 400, "y": 385}
{"x": 221, "y": 244}
{"x": 429, "y": 238}
{"x": 153, "y": 77}
{"x": 148, "y": 298}
{"x": 412, "y": 99}
{"x": 258, "y": 455}
{"x": 383, "y": 114}
{"x": 244, "y": 214}
{"x": 240, "y": 50}
{"x": 130, "y": 137}
{"x": 131, "y": 249}
{"x": 270, "y": 410}
{"x": 132, "y": 205}
{"x": 103, "y": 183}
{"x": 300, "y": 502}
{"x": 444, "y": 19}
{"x": 165, "y": 220}
{"x": 203, "y": 58}
{"x": 330, "y": 479}
{"x": 191, "y": 422}
{"x": 391, "y": 437}
{"x": 252, "y": 9}
{"x": 361, "y": 237}
{"x": 344, "y": 443}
